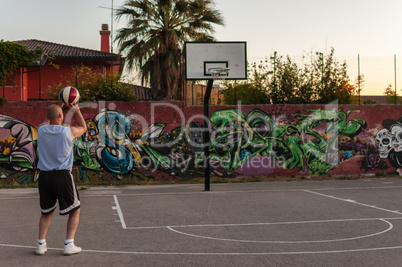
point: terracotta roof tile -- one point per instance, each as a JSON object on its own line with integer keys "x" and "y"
{"x": 61, "y": 51}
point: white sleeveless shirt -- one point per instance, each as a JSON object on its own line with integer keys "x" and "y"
{"x": 55, "y": 148}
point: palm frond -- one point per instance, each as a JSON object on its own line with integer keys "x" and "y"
{"x": 154, "y": 36}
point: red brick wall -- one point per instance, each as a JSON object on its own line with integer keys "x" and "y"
{"x": 294, "y": 138}
{"x": 174, "y": 113}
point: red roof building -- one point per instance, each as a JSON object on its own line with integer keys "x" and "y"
{"x": 56, "y": 64}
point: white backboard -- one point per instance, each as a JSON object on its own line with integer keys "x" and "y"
{"x": 201, "y": 56}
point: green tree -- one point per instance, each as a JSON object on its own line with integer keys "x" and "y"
{"x": 321, "y": 80}
{"x": 13, "y": 55}
{"x": 154, "y": 38}
{"x": 359, "y": 83}
{"x": 392, "y": 96}
{"x": 252, "y": 91}
{"x": 291, "y": 84}
{"x": 370, "y": 102}
{"x": 258, "y": 74}
{"x": 331, "y": 79}
{"x": 286, "y": 82}
{"x": 245, "y": 92}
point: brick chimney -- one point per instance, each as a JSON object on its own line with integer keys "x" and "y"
{"x": 105, "y": 38}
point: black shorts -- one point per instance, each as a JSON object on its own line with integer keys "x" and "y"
{"x": 58, "y": 185}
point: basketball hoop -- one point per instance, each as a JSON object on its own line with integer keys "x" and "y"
{"x": 218, "y": 75}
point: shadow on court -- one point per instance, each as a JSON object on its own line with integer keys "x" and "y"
{"x": 309, "y": 223}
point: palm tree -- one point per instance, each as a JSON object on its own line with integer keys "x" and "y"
{"x": 154, "y": 38}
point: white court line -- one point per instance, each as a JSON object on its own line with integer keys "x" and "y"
{"x": 257, "y": 224}
{"x": 390, "y": 226}
{"x": 118, "y": 208}
{"x": 88, "y": 194}
{"x": 248, "y": 254}
{"x": 119, "y": 212}
{"x": 262, "y": 191}
{"x": 219, "y": 253}
{"x": 353, "y": 202}
{"x": 17, "y": 197}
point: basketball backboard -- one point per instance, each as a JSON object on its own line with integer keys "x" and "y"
{"x": 202, "y": 56}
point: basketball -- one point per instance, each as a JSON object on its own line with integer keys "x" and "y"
{"x": 69, "y": 95}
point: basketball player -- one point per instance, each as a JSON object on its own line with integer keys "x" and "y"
{"x": 55, "y": 182}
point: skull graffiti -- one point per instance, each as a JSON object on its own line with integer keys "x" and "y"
{"x": 384, "y": 140}
{"x": 396, "y": 131}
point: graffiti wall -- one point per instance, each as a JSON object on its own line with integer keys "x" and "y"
{"x": 154, "y": 140}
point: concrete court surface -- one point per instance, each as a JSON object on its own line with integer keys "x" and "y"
{"x": 308, "y": 223}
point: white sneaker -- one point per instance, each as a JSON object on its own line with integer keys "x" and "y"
{"x": 41, "y": 249}
{"x": 71, "y": 249}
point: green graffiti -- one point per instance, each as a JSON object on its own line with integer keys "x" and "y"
{"x": 310, "y": 140}
{"x": 238, "y": 138}
{"x": 82, "y": 151}
{"x": 234, "y": 141}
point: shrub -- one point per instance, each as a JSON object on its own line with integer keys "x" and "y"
{"x": 95, "y": 86}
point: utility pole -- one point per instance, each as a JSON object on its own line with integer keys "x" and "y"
{"x": 358, "y": 73}
{"x": 322, "y": 72}
{"x": 275, "y": 93}
{"x": 395, "y": 76}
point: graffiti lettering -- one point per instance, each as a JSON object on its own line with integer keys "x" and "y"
{"x": 311, "y": 141}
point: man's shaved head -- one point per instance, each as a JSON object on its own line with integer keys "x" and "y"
{"x": 53, "y": 112}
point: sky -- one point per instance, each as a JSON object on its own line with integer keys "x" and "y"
{"x": 368, "y": 29}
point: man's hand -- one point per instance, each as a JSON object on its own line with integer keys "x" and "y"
{"x": 74, "y": 106}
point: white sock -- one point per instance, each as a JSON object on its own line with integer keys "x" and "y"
{"x": 41, "y": 241}
{"x": 68, "y": 241}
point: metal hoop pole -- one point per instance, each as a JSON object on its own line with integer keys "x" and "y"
{"x": 216, "y": 76}
{"x": 207, "y": 137}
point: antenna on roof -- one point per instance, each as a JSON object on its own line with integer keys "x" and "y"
{"x": 111, "y": 26}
